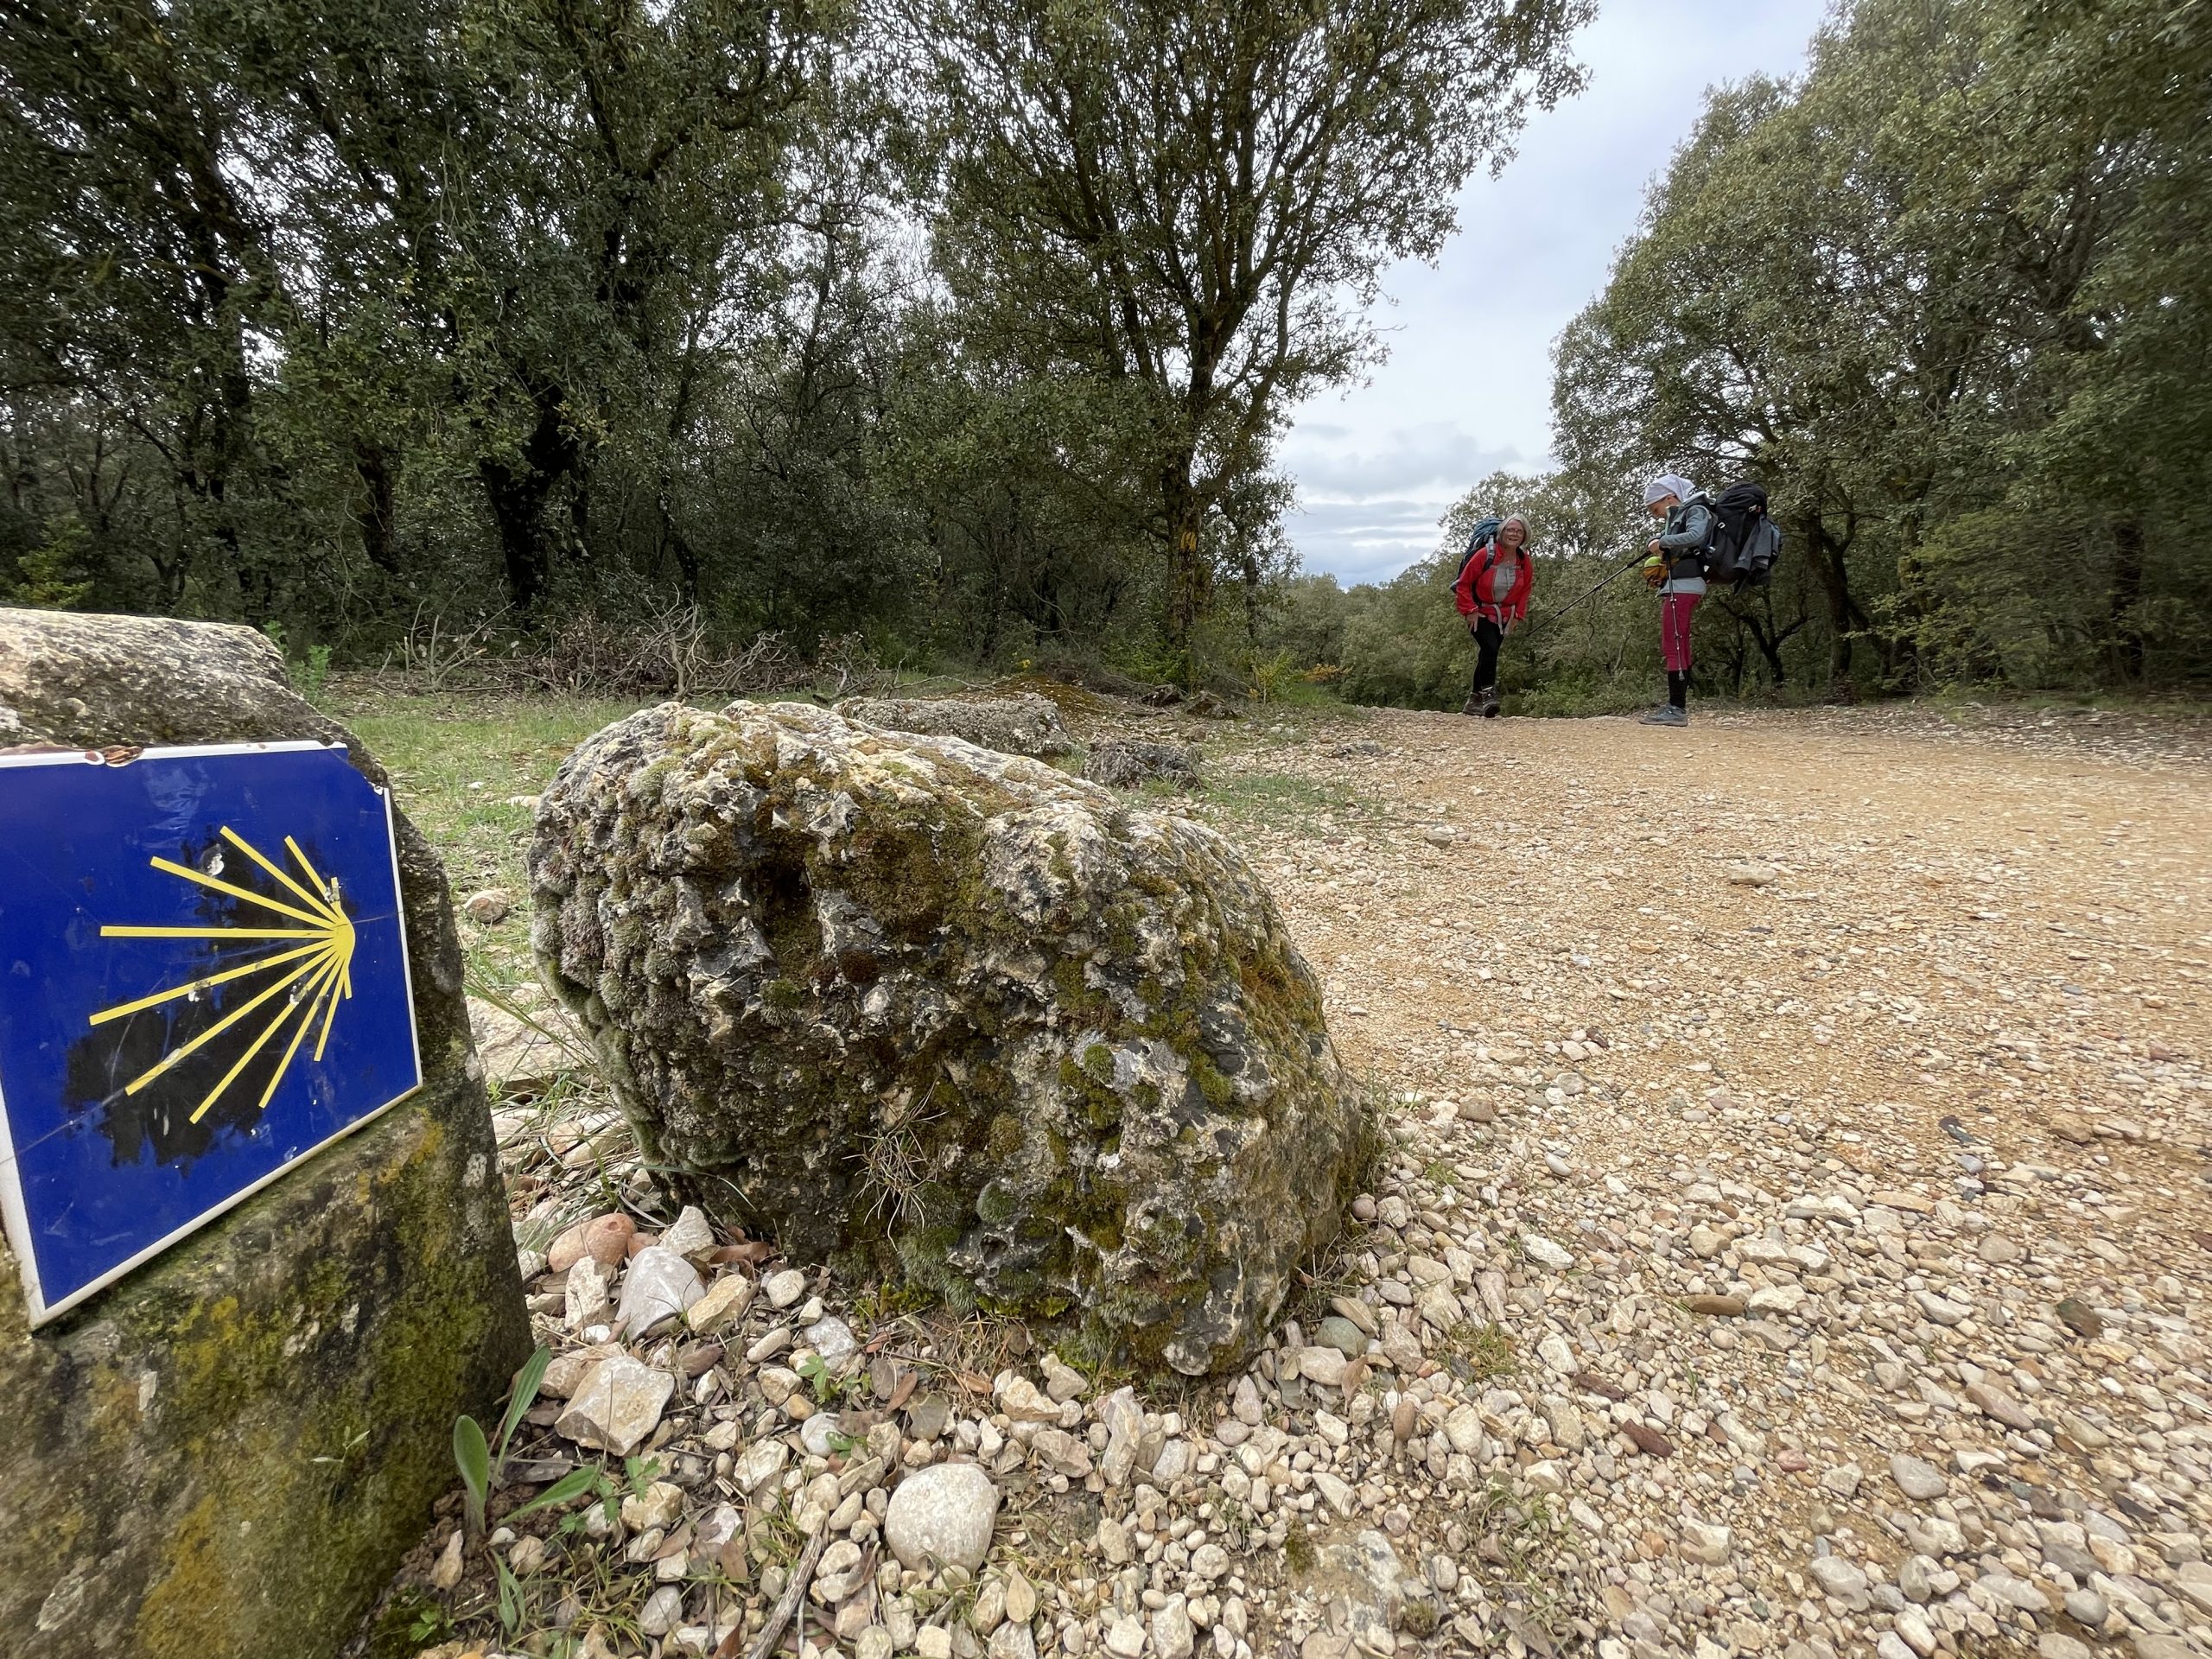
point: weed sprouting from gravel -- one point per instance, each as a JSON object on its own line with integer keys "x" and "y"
{"x": 1487, "y": 1350}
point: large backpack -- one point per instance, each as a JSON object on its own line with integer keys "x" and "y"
{"x": 1744, "y": 541}
{"x": 1484, "y": 533}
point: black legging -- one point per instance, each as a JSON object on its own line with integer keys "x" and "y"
{"x": 1487, "y": 637}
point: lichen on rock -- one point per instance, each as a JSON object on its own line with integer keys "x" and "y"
{"x": 1023, "y": 723}
{"x": 946, "y": 1013}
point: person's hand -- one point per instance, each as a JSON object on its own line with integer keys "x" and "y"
{"x": 1653, "y": 547}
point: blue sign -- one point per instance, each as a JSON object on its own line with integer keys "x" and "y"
{"x": 203, "y": 980}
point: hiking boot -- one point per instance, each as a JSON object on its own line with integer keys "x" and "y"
{"x": 1490, "y": 703}
{"x": 1471, "y": 707}
{"x": 1666, "y": 715}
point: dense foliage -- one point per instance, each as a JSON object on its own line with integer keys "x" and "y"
{"x": 967, "y": 324}
{"x": 1946, "y": 297}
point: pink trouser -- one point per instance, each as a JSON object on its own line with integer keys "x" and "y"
{"x": 1675, "y": 613}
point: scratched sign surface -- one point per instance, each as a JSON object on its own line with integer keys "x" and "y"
{"x": 203, "y": 980}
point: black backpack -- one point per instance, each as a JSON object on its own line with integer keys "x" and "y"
{"x": 1744, "y": 541}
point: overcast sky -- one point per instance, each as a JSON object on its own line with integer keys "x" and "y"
{"x": 1467, "y": 389}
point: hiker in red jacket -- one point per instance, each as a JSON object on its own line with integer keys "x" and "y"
{"x": 1492, "y": 593}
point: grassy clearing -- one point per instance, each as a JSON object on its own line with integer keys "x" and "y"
{"x": 468, "y": 770}
{"x": 469, "y": 766}
{"x": 1307, "y": 714}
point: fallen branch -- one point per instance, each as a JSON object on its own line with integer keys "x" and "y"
{"x": 786, "y": 1604}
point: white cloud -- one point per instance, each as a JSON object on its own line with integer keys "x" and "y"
{"x": 1467, "y": 388}
{"x": 1371, "y": 541}
{"x": 1435, "y": 459}
{"x": 1373, "y": 501}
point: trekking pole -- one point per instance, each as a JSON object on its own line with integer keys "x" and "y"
{"x": 1554, "y": 616}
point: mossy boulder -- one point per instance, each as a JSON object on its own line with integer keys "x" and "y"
{"x": 225, "y": 1454}
{"x": 949, "y": 1016}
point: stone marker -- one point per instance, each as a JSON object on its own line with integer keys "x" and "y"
{"x": 224, "y": 1454}
{"x": 950, "y": 1014}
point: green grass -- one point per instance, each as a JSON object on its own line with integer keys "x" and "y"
{"x": 1278, "y": 798}
{"x": 457, "y": 760}
{"x": 1486, "y": 1350}
{"x": 1301, "y": 696}
{"x": 1529, "y": 1537}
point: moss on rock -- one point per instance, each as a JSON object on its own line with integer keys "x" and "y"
{"x": 948, "y": 1015}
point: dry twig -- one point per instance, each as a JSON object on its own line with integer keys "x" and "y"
{"x": 786, "y": 1604}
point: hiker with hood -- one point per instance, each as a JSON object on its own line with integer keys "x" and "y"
{"x": 1492, "y": 595}
{"x": 1676, "y": 569}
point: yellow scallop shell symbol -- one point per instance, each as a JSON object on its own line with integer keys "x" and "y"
{"x": 318, "y": 955}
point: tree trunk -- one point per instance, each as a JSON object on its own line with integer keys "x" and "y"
{"x": 1844, "y": 618}
{"x": 1766, "y": 635}
{"x": 675, "y": 541}
{"x": 374, "y": 517}
{"x": 1186, "y": 584}
{"x": 2126, "y": 592}
{"x": 519, "y": 493}
{"x": 516, "y": 498}
{"x": 1901, "y": 649}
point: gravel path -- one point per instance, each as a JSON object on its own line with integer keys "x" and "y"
{"x": 1791, "y": 1244}
{"x": 1855, "y": 1064}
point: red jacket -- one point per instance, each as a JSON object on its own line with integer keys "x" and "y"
{"x": 1515, "y": 605}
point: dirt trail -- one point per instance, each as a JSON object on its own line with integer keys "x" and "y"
{"x": 1857, "y": 1062}
{"x": 1954, "y": 927}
